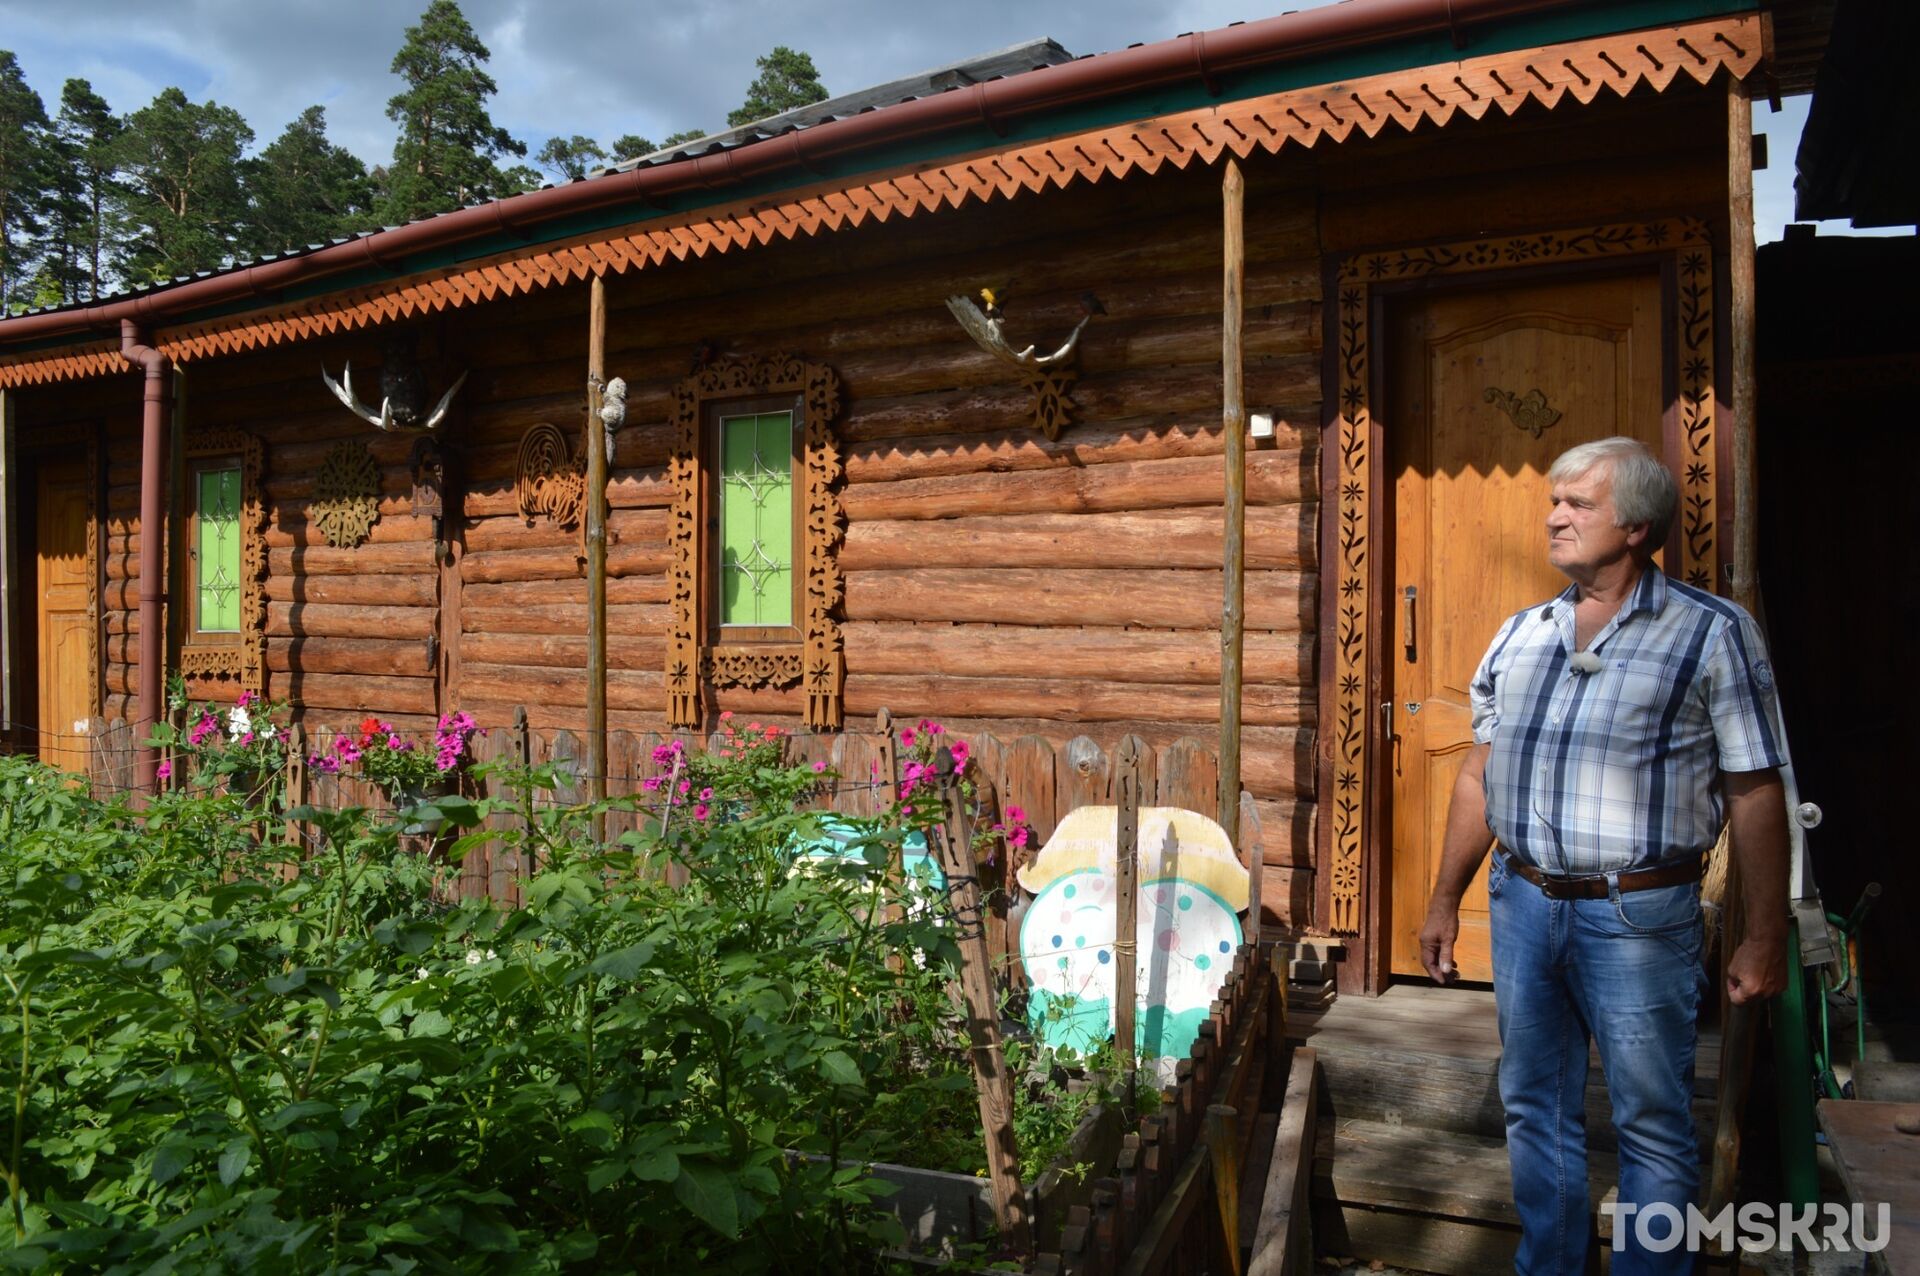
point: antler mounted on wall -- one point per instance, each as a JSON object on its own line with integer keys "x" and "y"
{"x": 403, "y": 390}
{"x": 1049, "y": 376}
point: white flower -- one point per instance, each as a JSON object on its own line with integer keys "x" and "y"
{"x": 266, "y": 731}
{"x": 239, "y": 722}
{"x": 491, "y": 954}
{"x": 420, "y": 974}
{"x": 474, "y": 958}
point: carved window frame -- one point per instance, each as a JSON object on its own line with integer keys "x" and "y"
{"x": 811, "y": 655}
{"x": 240, "y": 656}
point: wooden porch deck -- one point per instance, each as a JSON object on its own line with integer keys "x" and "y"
{"x": 1410, "y": 1164}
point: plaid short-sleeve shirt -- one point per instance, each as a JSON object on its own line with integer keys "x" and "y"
{"x": 1593, "y": 772}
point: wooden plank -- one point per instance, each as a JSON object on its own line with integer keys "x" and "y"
{"x": 1282, "y": 1243}
{"x": 1084, "y": 776}
{"x": 1171, "y": 599}
{"x": 1880, "y": 1162}
{"x": 1223, "y": 1147}
{"x": 1189, "y": 776}
{"x": 1126, "y": 793}
{"x": 1114, "y": 655}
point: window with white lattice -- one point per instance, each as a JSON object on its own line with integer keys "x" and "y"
{"x": 755, "y": 520}
{"x": 214, "y": 549}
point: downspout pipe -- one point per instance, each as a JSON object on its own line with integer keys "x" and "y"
{"x": 995, "y": 104}
{"x": 153, "y": 587}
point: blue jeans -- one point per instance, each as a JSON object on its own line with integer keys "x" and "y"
{"x": 1623, "y": 971}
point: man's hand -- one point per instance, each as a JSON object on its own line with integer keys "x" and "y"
{"x": 1757, "y": 970}
{"x": 1436, "y": 940}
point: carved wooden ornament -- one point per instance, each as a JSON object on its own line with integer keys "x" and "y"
{"x": 552, "y": 481}
{"x": 245, "y": 660}
{"x": 815, "y": 659}
{"x": 429, "y": 469}
{"x": 346, "y": 501}
{"x": 1346, "y": 776}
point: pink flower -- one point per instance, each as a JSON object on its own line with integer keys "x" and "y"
{"x": 206, "y": 726}
{"x": 247, "y": 699}
{"x": 961, "y": 752}
{"x": 907, "y": 736}
{"x": 1017, "y": 815}
{"x": 164, "y": 771}
{"x": 935, "y": 729}
{"x": 753, "y": 726}
{"x": 819, "y": 767}
{"x": 706, "y": 795}
{"x": 247, "y": 738}
{"x": 652, "y": 783}
{"x": 686, "y": 787}
{"x": 700, "y": 811}
{"x": 398, "y": 745}
{"x": 726, "y": 715}
{"x": 1019, "y": 837}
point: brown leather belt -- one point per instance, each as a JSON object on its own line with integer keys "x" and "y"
{"x": 1594, "y": 885}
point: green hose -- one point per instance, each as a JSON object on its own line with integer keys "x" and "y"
{"x": 1800, "y": 1175}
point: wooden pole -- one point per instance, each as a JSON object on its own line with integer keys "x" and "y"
{"x": 1739, "y": 1025}
{"x": 1223, "y": 1145}
{"x": 990, "y": 1077}
{"x": 9, "y": 571}
{"x": 1126, "y": 848}
{"x": 596, "y": 535}
{"x": 1233, "y": 421}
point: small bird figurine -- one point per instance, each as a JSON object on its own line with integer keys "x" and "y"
{"x": 613, "y": 410}
{"x": 991, "y": 299}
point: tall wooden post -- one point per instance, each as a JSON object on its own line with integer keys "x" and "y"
{"x": 596, "y": 535}
{"x": 1126, "y": 849}
{"x": 9, "y": 570}
{"x": 990, "y": 1077}
{"x": 1740, "y": 1022}
{"x": 1233, "y": 421}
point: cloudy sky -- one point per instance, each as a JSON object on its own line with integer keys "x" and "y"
{"x": 596, "y": 67}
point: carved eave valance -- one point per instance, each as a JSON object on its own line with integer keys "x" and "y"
{"x": 812, "y": 660}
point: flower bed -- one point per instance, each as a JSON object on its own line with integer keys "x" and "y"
{"x": 229, "y": 1066}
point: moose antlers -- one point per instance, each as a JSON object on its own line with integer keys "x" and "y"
{"x": 403, "y": 414}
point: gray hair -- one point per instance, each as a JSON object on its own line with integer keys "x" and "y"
{"x": 1643, "y": 486}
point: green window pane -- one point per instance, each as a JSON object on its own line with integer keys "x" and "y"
{"x": 756, "y": 519}
{"x": 217, "y": 556}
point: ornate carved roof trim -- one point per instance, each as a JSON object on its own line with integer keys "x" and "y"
{"x": 1577, "y": 71}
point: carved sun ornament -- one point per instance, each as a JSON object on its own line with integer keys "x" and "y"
{"x": 1528, "y": 412}
{"x": 346, "y": 500}
{"x": 552, "y": 480}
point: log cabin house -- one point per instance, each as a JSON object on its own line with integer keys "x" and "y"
{"x": 1475, "y": 232}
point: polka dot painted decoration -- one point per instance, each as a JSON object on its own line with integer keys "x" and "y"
{"x": 1191, "y": 889}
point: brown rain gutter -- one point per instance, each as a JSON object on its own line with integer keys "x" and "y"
{"x": 1201, "y": 56}
{"x": 153, "y": 592}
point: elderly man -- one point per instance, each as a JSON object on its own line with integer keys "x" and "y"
{"x": 1614, "y": 728}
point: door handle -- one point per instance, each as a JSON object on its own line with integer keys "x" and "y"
{"x": 1409, "y": 634}
{"x": 1386, "y": 721}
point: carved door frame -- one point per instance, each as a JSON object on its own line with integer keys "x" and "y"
{"x": 1352, "y": 878}
{"x": 20, "y": 465}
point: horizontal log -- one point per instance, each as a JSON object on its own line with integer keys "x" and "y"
{"x": 375, "y": 657}
{"x": 355, "y": 591}
{"x": 1291, "y": 385}
{"x": 1082, "y": 700}
{"x": 637, "y": 527}
{"x": 1273, "y": 478}
{"x": 542, "y": 593}
{"x": 1191, "y": 599}
{"x": 564, "y": 650}
{"x": 1022, "y": 448}
{"x": 365, "y": 560}
{"x": 291, "y": 530}
{"x": 1286, "y": 832}
{"x": 294, "y": 488}
{"x": 643, "y": 443}
{"x": 639, "y": 620}
{"x": 640, "y": 488}
{"x": 296, "y": 620}
{"x": 1276, "y": 536}
{"x": 499, "y": 565}
{"x": 357, "y": 693}
{"x": 1117, "y": 655}
{"x": 529, "y": 684}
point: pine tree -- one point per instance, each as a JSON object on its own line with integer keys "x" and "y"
{"x": 25, "y": 167}
{"x": 787, "y": 80}
{"x": 631, "y": 146}
{"x": 444, "y": 158}
{"x": 184, "y": 205}
{"x": 569, "y": 158}
{"x": 86, "y": 133}
{"x": 303, "y": 189}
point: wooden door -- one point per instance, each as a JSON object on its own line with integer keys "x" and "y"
{"x": 63, "y": 656}
{"x": 1485, "y": 388}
